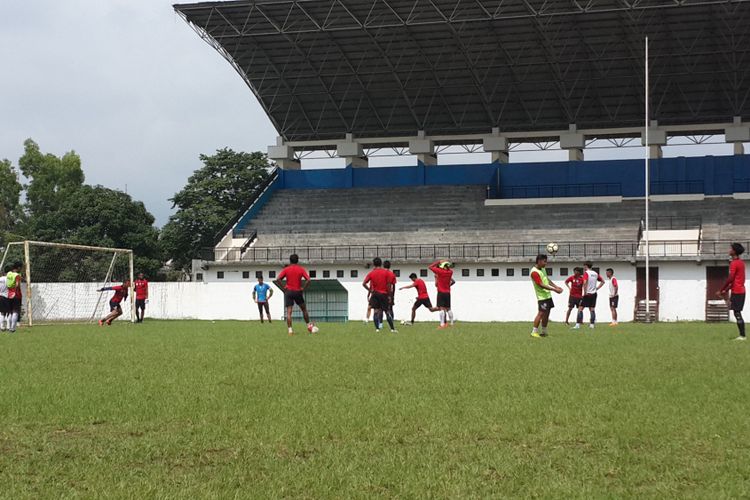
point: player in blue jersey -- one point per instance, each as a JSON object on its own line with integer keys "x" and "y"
{"x": 261, "y": 294}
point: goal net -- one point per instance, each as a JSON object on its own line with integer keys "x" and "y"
{"x": 60, "y": 281}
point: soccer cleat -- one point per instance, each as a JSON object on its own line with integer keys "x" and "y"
{"x": 591, "y": 325}
{"x": 536, "y": 335}
{"x": 614, "y": 323}
{"x": 101, "y": 323}
{"x": 291, "y": 332}
{"x": 442, "y": 327}
{"x": 577, "y": 327}
{"x": 741, "y": 338}
{"x": 394, "y": 331}
{"x": 377, "y": 330}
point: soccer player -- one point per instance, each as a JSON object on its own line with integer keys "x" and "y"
{"x": 297, "y": 281}
{"x": 4, "y": 302}
{"x": 443, "y": 271}
{"x": 614, "y": 295}
{"x": 735, "y": 284}
{"x": 423, "y": 298}
{"x": 392, "y": 298}
{"x": 141, "y": 297}
{"x": 13, "y": 282}
{"x": 379, "y": 284}
{"x": 115, "y": 303}
{"x": 543, "y": 288}
{"x": 575, "y": 287}
{"x": 261, "y": 295}
{"x": 592, "y": 282}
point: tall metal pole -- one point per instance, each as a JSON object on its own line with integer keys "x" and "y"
{"x": 29, "y": 300}
{"x": 646, "y": 166}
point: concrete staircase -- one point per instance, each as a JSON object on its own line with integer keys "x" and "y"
{"x": 456, "y": 214}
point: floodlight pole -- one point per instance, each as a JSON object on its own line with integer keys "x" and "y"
{"x": 646, "y": 167}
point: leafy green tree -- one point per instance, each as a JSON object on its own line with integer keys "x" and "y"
{"x": 95, "y": 215}
{"x": 10, "y": 196}
{"x": 211, "y": 197}
{"x": 52, "y": 179}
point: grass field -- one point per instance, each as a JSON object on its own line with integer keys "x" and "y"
{"x": 232, "y": 409}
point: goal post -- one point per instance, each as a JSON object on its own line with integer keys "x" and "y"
{"x": 61, "y": 281}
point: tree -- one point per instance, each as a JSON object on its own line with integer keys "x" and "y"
{"x": 10, "y": 196}
{"x": 52, "y": 179}
{"x": 211, "y": 197}
{"x": 95, "y": 215}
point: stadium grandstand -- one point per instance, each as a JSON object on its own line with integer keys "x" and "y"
{"x": 349, "y": 79}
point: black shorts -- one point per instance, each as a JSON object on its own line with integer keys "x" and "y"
{"x": 614, "y": 301}
{"x": 140, "y": 303}
{"x": 380, "y": 301}
{"x": 423, "y": 302}
{"x": 4, "y": 305}
{"x": 737, "y": 302}
{"x": 15, "y": 304}
{"x": 292, "y": 297}
{"x": 574, "y": 301}
{"x": 546, "y": 304}
{"x": 589, "y": 300}
{"x": 114, "y": 306}
{"x": 444, "y": 300}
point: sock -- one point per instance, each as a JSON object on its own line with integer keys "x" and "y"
{"x": 740, "y": 323}
{"x": 593, "y": 317}
{"x": 544, "y": 330}
{"x": 3, "y": 319}
{"x": 450, "y": 315}
{"x": 378, "y": 320}
{"x": 13, "y": 321}
{"x": 442, "y": 317}
{"x": 535, "y": 330}
{"x": 579, "y": 317}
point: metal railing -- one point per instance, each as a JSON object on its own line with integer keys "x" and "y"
{"x": 677, "y": 187}
{"x": 471, "y": 251}
{"x": 562, "y": 190}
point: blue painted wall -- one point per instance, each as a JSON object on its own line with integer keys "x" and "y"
{"x": 712, "y": 175}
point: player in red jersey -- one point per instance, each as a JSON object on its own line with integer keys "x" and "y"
{"x": 614, "y": 295}
{"x": 735, "y": 285}
{"x": 115, "y": 303}
{"x": 423, "y": 298}
{"x": 443, "y": 271}
{"x": 141, "y": 297}
{"x": 575, "y": 287}
{"x": 297, "y": 281}
{"x": 379, "y": 284}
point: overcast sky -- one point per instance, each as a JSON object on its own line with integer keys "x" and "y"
{"x": 126, "y": 84}
{"x": 130, "y": 87}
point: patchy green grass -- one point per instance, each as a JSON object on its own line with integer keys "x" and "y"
{"x": 230, "y": 409}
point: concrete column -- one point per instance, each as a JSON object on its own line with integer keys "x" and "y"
{"x": 737, "y": 134}
{"x": 283, "y": 155}
{"x": 574, "y": 143}
{"x": 656, "y": 139}
{"x": 352, "y": 152}
{"x": 423, "y": 148}
{"x": 496, "y": 145}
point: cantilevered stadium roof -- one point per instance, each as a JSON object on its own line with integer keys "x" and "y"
{"x": 376, "y": 68}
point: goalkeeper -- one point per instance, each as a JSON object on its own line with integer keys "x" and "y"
{"x": 115, "y": 303}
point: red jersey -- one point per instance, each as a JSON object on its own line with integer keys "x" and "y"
{"x": 421, "y": 289}
{"x": 736, "y": 281}
{"x": 141, "y": 289}
{"x": 380, "y": 280}
{"x": 121, "y": 292}
{"x": 393, "y": 277}
{"x": 443, "y": 278}
{"x": 576, "y": 286}
{"x": 294, "y": 273}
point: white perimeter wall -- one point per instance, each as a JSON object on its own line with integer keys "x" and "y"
{"x": 682, "y": 290}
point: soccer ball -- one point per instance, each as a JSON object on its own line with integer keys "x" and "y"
{"x": 403, "y": 321}
{"x": 312, "y": 328}
{"x": 552, "y": 248}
